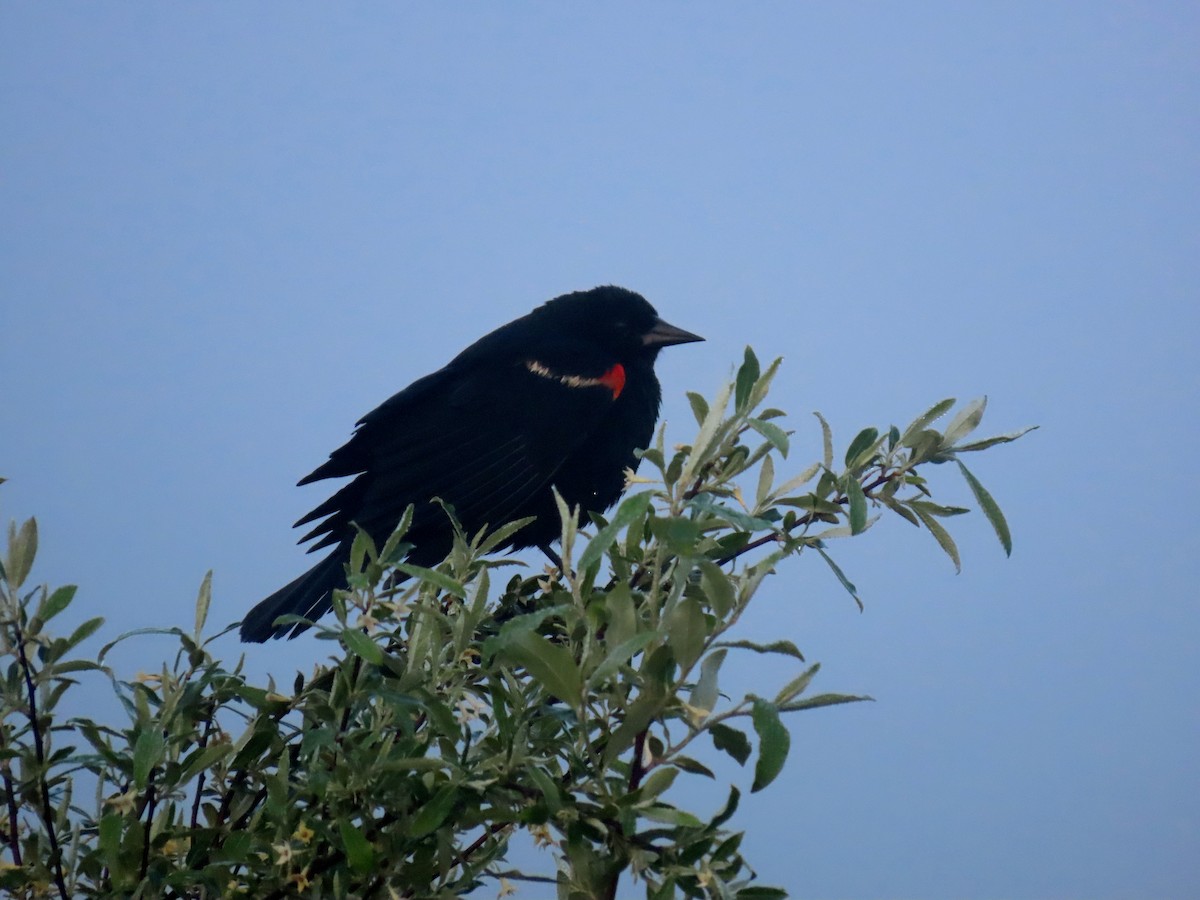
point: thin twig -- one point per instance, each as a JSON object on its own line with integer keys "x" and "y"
{"x": 13, "y": 837}
{"x": 39, "y": 749}
{"x": 637, "y": 767}
{"x": 151, "y": 799}
{"x": 806, "y": 519}
{"x": 208, "y": 727}
{"x": 492, "y": 830}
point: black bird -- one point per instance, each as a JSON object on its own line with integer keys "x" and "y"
{"x": 558, "y": 398}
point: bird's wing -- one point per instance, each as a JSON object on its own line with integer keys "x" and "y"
{"x": 484, "y": 441}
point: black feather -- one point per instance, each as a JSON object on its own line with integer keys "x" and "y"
{"x": 537, "y": 403}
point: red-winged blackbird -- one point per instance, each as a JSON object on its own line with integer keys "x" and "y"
{"x": 558, "y": 398}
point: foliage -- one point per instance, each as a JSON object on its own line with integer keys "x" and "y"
{"x": 463, "y": 707}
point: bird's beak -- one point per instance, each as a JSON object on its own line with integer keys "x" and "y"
{"x": 664, "y": 334}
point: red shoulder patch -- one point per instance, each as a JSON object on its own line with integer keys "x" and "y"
{"x": 614, "y": 380}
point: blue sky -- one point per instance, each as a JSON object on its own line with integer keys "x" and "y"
{"x": 228, "y": 231}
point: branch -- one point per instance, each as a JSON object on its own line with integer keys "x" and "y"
{"x": 44, "y": 789}
{"x": 150, "y": 802}
{"x": 10, "y": 793}
{"x": 492, "y": 830}
{"x": 208, "y": 727}
{"x": 806, "y": 519}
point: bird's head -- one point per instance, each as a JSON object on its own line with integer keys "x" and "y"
{"x": 621, "y": 321}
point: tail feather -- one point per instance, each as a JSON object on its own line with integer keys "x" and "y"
{"x": 310, "y": 596}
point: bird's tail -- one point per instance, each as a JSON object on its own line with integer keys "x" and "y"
{"x": 310, "y": 596}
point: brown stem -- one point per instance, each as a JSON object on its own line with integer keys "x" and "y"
{"x": 637, "y": 768}
{"x": 10, "y": 793}
{"x": 803, "y": 520}
{"x": 40, "y": 750}
{"x": 201, "y": 778}
{"x": 150, "y": 802}
{"x": 466, "y": 854}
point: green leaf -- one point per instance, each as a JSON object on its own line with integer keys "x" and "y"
{"x": 55, "y": 603}
{"x": 923, "y": 445}
{"x": 936, "y": 509}
{"x": 761, "y": 892}
{"x": 503, "y": 533}
{"x": 679, "y": 534}
{"x": 433, "y": 813}
{"x": 773, "y": 433}
{"x": 797, "y": 685}
{"x": 420, "y": 763}
{"x": 551, "y": 665}
{"x": 858, "y": 505}
{"x": 705, "y": 692}
{"x": 436, "y": 578}
{"x": 812, "y": 503}
{"x": 901, "y": 509}
{"x": 966, "y": 421}
{"x": 203, "y": 599}
{"x": 735, "y": 517}
{"x": 826, "y": 441}
{"x": 692, "y": 766}
{"x": 992, "y": 441}
{"x": 147, "y": 752}
{"x": 699, "y": 406}
{"x": 730, "y": 740}
{"x": 656, "y": 672}
{"x": 773, "y": 743}
{"x": 730, "y": 807}
{"x": 390, "y": 552}
{"x": 622, "y": 615}
{"x": 940, "y": 534}
{"x": 620, "y": 655}
{"x": 861, "y": 443}
{"x": 111, "y": 826}
{"x": 569, "y": 519}
{"x": 630, "y": 509}
{"x": 708, "y": 431}
{"x": 658, "y": 781}
{"x": 841, "y": 576}
{"x": 549, "y": 789}
{"x": 362, "y": 549}
{"x": 747, "y": 375}
{"x": 687, "y": 628}
{"x": 359, "y": 852}
{"x": 22, "y": 548}
{"x": 803, "y": 478}
{"x": 717, "y": 587}
{"x": 203, "y": 759}
{"x": 822, "y": 700}
{"x": 763, "y": 385}
{"x": 785, "y": 648}
{"x": 927, "y": 418}
{"x": 85, "y": 631}
{"x": 669, "y": 815}
{"x": 766, "y": 480}
{"x": 990, "y": 509}
{"x": 523, "y": 624}
{"x": 361, "y": 645}
{"x": 72, "y": 665}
